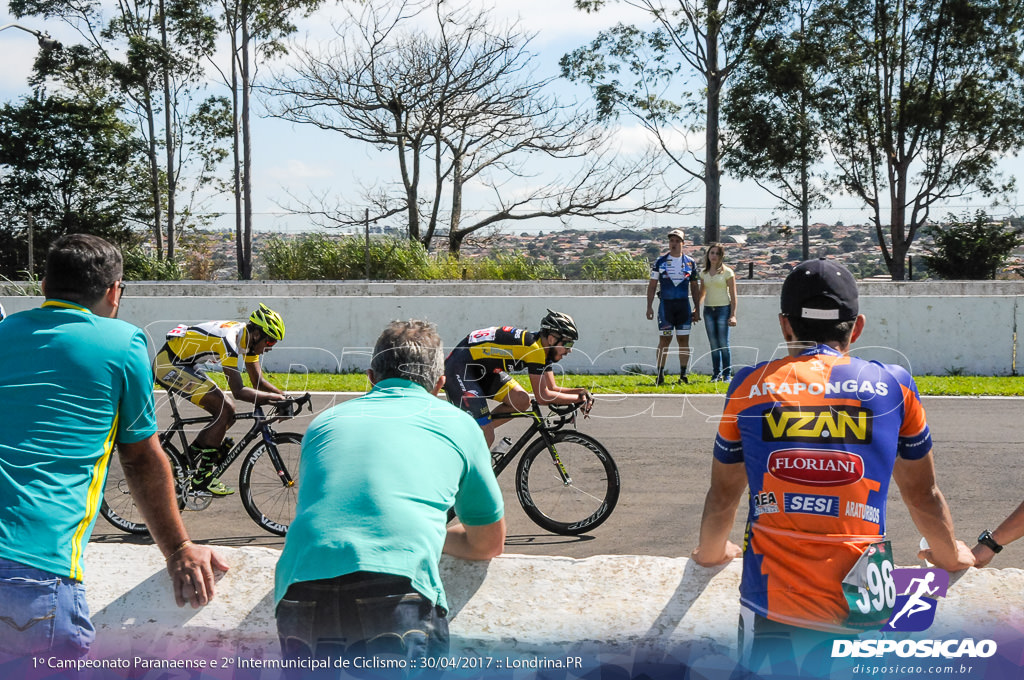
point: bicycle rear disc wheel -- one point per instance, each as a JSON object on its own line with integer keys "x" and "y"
{"x": 568, "y": 507}
{"x": 118, "y": 506}
{"x": 270, "y": 494}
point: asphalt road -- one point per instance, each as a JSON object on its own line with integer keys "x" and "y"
{"x": 662, "y": 445}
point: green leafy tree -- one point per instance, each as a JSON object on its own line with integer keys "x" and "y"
{"x": 671, "y": 76}
{"x": 69, "y": 165}
{"x": 924, "y": 98}
{"x": 773, "y": 131}
{"x": 149, "y": 53}
{"x": 971, "y": 247}
{"x": 256, "y": 31}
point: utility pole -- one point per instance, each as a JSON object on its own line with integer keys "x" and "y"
{"x": 31, "y": 247}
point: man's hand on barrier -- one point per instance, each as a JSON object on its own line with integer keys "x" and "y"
{"x": 192, "y": 569}
{"x": 731, "y": 552}
{"x": 963, "y": 558}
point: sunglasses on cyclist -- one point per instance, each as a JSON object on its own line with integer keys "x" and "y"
{"x": 566, "y": 342}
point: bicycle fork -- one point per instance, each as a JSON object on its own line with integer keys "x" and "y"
{"x": 275, "y": 457}
{"x": 566, "y": 478}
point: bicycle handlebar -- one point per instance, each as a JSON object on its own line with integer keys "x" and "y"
{"x": 292, "y": 406}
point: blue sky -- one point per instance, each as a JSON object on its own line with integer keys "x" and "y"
{"x": 299, "y": 160}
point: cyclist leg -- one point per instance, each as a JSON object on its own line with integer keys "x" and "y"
{"x": 513, "y": 398}
{"x": 211, "y": 446}
{"x": 221, "y": 406}
{"x": 207, "y": 449}
{"x": 469, "y": 396}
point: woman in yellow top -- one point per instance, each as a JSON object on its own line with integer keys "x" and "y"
{"x": 718, "y": 295}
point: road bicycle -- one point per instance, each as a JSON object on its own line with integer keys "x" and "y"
{"x": 566, "y": 481}
{"x": 268, "y": 482}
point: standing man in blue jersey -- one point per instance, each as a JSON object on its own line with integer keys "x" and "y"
{"x": 676, "y": 274}
{"x": 75, "y": 381}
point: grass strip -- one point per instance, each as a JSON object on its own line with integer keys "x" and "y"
{"x": 945, "y": 385}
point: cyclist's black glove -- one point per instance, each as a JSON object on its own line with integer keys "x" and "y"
{"x": 287, "y": 409}
{"x": 588, "y": 402}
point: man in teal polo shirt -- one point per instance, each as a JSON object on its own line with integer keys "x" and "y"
{"x": 75, "y": 381}
{"x": 359, "y": 573}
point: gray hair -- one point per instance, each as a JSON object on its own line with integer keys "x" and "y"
{"x": 411, "y": 350}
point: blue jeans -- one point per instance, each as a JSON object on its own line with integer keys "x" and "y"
{"x": 360, "y": 615}
{"x": 42, "y": 613}
{"x": 716, "y": 321}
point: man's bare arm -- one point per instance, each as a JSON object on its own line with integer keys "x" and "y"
{"x": 727, "y": 484}
{"x": 191, "y": 567}
{"x": 928, "y": 510}
{"x": 475, "y": 542}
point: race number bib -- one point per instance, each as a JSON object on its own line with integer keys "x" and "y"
{"x": 178, "y": 331}
{"x": 869, "y": 587}
{"x": 483, "y": 335}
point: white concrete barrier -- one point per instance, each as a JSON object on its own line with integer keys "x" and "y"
{"x": 516, "y": 607}
{"x": 930, "y": 328}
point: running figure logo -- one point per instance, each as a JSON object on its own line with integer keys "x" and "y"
{"x": 914, "y": 609}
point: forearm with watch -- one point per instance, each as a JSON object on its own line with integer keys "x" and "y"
{"x": 1008, "y": 531}
{"x": 986, "y": 539}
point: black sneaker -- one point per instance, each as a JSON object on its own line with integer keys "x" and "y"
{"x": 660, "y": 380}
{"x": 683, "y": 380}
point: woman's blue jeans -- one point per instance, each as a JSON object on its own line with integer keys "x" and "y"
{"x": 716, "y": 321}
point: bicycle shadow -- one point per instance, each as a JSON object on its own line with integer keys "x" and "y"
{"x": 545, "y": 539}
{"x": 254, "y": 541}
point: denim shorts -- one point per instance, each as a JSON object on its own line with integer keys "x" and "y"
{"x": 41, "y": 612}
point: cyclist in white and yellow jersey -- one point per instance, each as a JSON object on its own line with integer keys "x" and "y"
{"x": 178, "y": 367}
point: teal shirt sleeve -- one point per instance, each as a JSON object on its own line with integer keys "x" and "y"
{"x": 478, "y": 501}
{"x": 136, "y": 412}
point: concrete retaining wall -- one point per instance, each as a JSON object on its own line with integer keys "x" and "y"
{"x": 526, "y": 607}
{"x": 930, "y": 328}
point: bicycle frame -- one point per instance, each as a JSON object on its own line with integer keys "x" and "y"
{"x": 261, "y": 426}
{"x": 539, "y": 425}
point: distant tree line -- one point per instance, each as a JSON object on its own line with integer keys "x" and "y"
{"x": 131, "y": 132}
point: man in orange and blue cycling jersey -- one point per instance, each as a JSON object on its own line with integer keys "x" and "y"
{"x": 477, "y": 369}
{"x": 817, "y": 437}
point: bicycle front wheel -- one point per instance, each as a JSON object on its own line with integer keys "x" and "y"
{"x": 269, "y": 481}
{"x": 578, "y": 501}
{"x": 119, "y": 507}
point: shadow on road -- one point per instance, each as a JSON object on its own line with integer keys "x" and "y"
{"x": 544, "y": 539}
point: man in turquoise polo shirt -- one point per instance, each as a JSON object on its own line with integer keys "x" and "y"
{"x": 359, "y": 573}
{"x": 75, "y": 381}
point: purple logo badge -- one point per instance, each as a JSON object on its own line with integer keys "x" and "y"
{"x": 917, "y": 593}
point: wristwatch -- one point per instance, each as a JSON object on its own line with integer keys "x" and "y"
{"x": 986, "y": 540}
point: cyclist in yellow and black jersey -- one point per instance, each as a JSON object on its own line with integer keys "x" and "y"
{"x": 178, "y": 367}
{"x": 478, "y": 368}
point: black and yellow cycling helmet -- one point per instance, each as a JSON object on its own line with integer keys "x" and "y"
{"x": 268, "y": 321}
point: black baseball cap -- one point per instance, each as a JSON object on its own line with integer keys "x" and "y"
{"x": 820, "y": 289}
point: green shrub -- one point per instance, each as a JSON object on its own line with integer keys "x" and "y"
{"x": 321, "y": 257}
{"x": 617, "y": 266}
{"x": 141, "y": 265}
{"x": 971, "y": 247}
